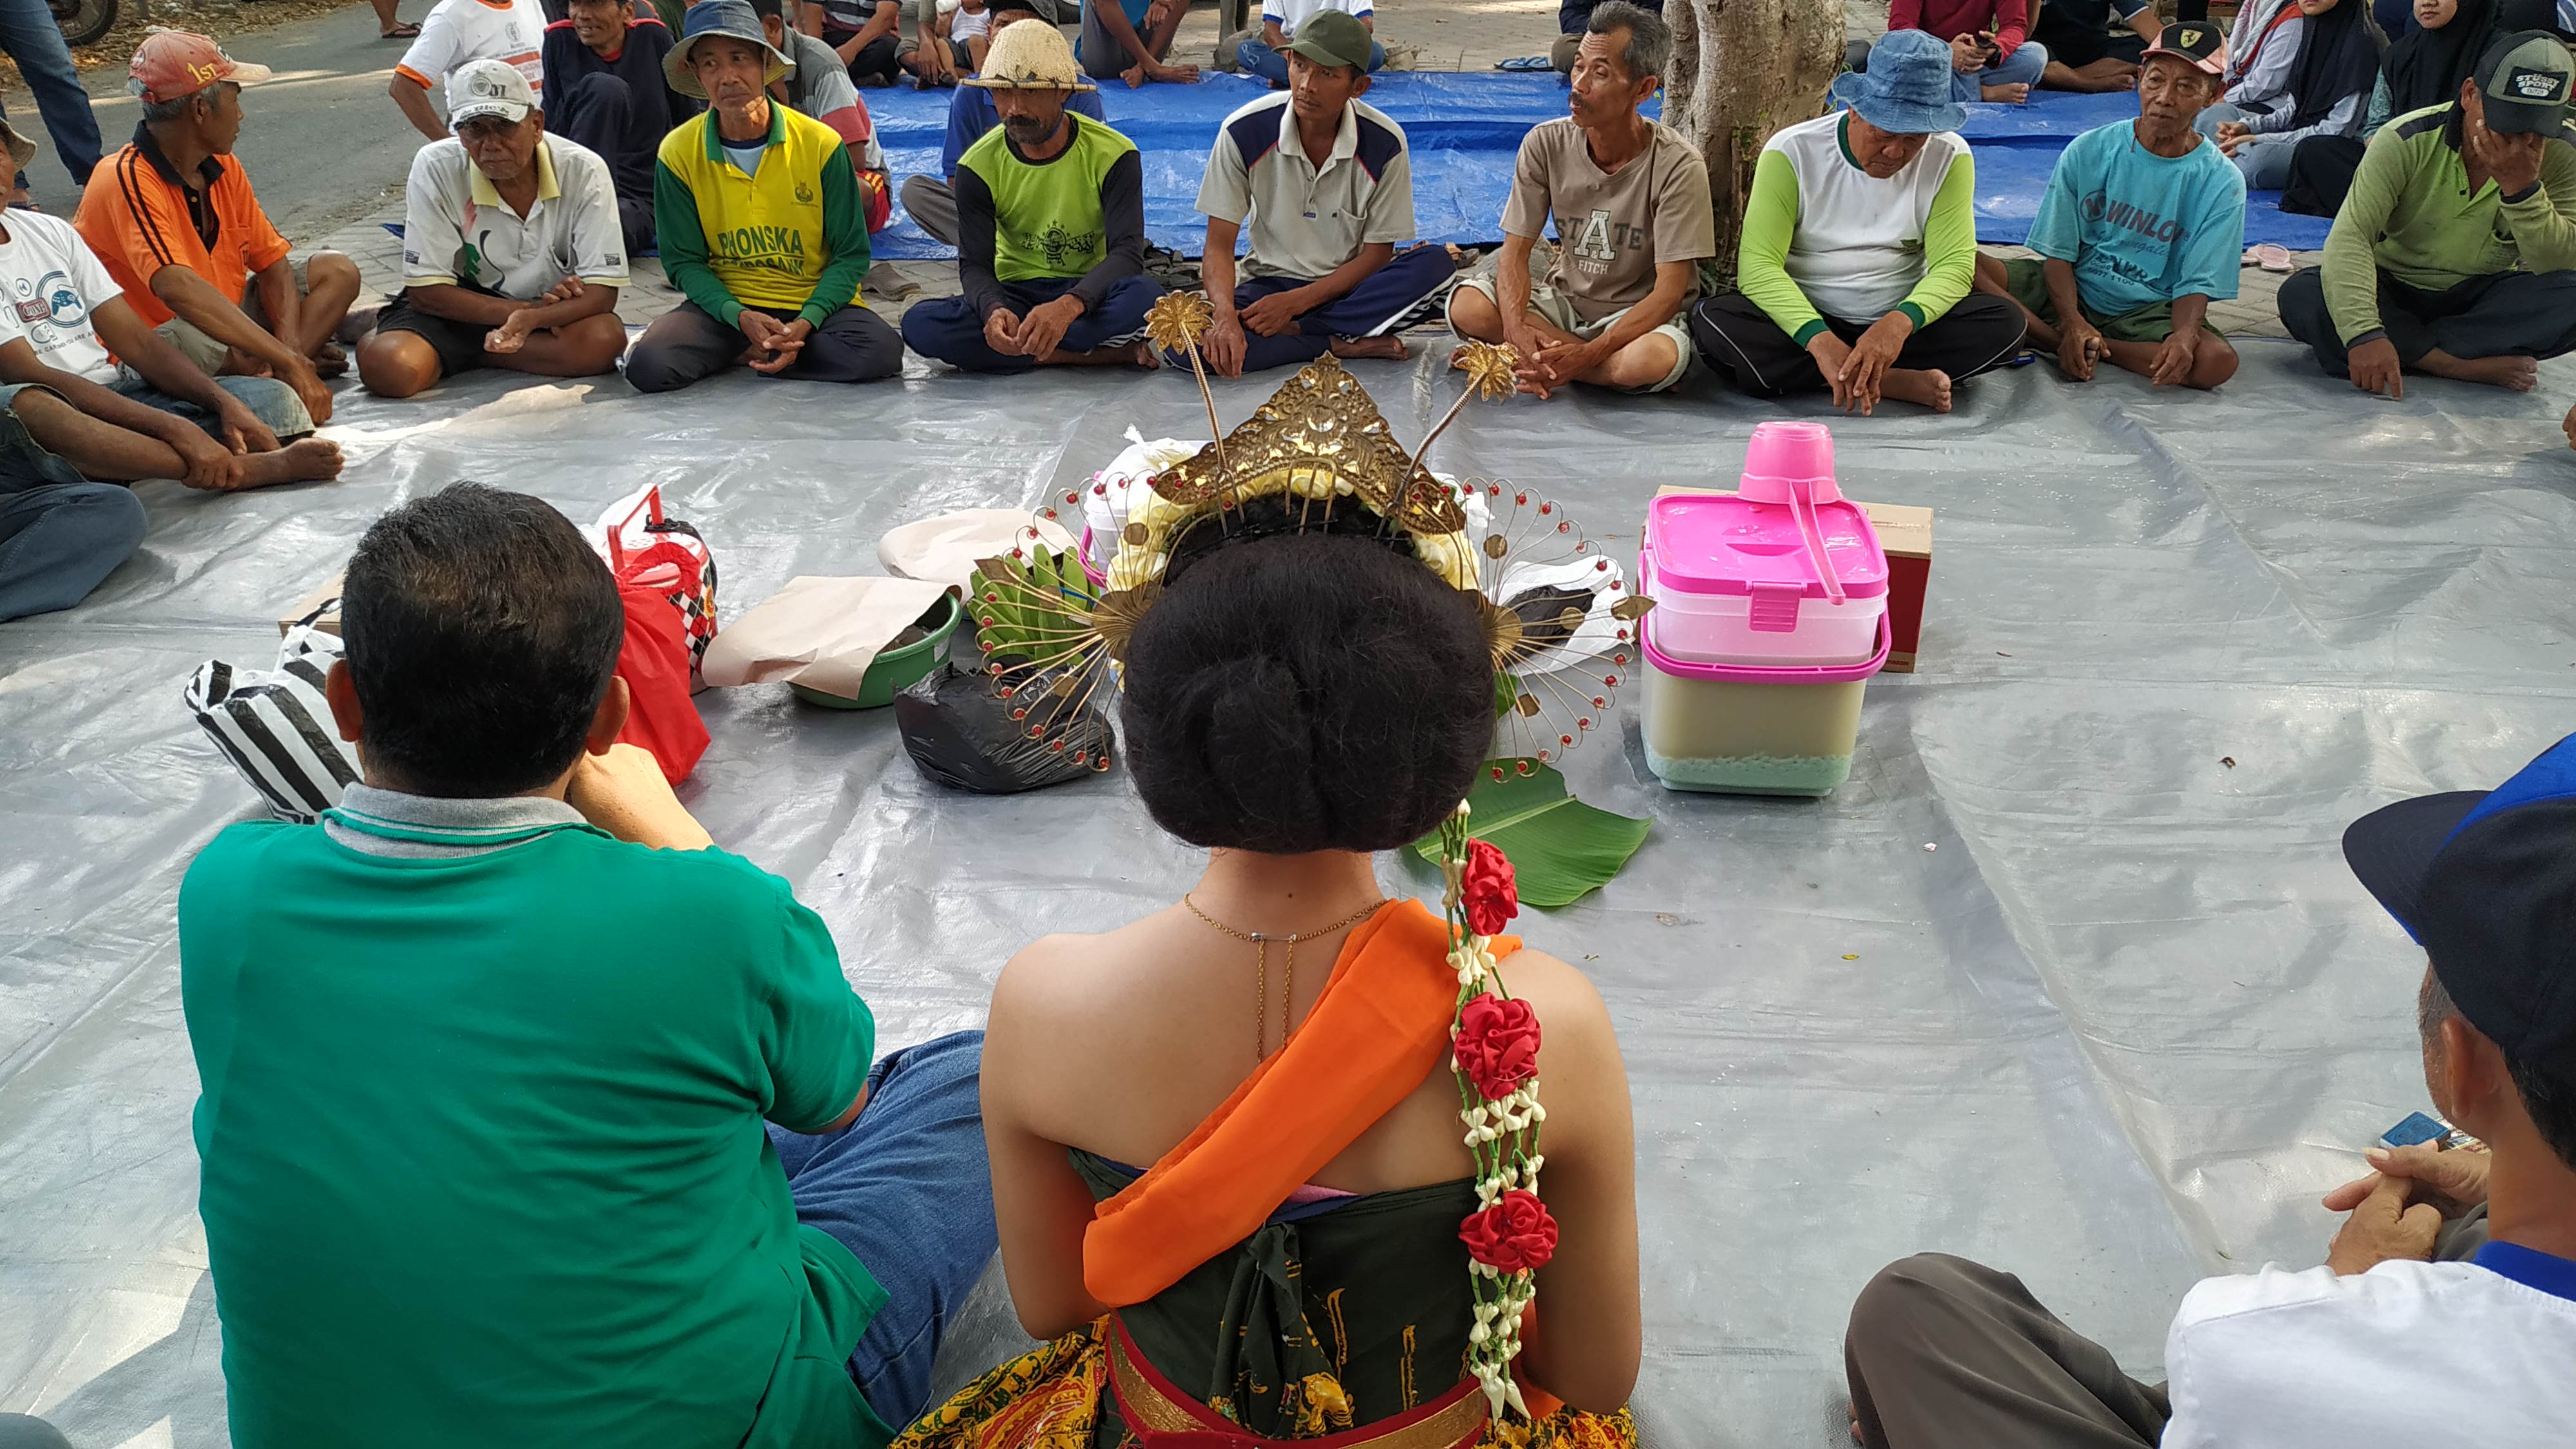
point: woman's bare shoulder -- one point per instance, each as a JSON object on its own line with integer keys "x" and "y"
{"x": 1064, "y": 985}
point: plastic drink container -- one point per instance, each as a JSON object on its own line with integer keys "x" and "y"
{"x": 1770, "y": 616}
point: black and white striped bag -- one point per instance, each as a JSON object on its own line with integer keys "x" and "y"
{"x": 276, "y": 728}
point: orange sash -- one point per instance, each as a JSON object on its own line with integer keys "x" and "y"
{"x": 1380, "y": 1027}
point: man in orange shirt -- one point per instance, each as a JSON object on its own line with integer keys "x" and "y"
{"x": 173, "y": 217}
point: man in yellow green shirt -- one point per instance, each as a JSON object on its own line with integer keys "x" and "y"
{"x": 761, "y": 224}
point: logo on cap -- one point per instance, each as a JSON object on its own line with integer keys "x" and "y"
{"x": 2186, "y": 37}
{"x": 2537, "y": 85}
{"x": 485, "y": 86}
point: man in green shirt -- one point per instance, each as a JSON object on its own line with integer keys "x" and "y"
{"x": 482, "y": 1087}
{"x": 761, "y": 223}
{"x": 2455, "y": 253}
{"x": 1050, "y": 229}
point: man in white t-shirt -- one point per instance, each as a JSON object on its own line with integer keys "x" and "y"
{"x": 2445, "y": 1314}
{"x": 74, "y": 424}
{"x": 1264, "y": 52}
{"x": 458, "y": 31}
{"x": 513, "y": 252}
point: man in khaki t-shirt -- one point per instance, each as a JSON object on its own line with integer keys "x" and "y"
{"x": 1631, "y": 206}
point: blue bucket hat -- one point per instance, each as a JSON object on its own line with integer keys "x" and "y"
{"x": 1906, "y": 89}
{"x": 733, "y": 19}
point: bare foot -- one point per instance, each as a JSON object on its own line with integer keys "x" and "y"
{"x": 1148, "y": 356}
{"x": 330, "y": 360}
{"x": 2520, "y": 374}
{"x": 1856, "y": 1435}
{"x": 306, "y": 460}
{"x": 1390, "y": 349}
{"x": 1928, "y": 387}
{"x": 2011, "y": 95}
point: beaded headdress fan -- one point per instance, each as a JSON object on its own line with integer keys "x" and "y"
{"x": 1558, "y": 615}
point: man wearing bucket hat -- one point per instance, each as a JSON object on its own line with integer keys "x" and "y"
{"x": 1329, "y": 183}
{"x": 2141, "y": 228}
{"x": 2429, "y": 267}
{"x": 1629, "y": 199}
{"x": 174, "y": 218}
{"x": 1859, "y": 258}
{"x": 1051, "y": 229}
{"x": 2445, "y": 1313}
{"x": 762, "y": 226}
{"x": 513, "y": 252}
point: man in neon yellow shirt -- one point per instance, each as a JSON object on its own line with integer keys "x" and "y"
{"x": 761, "y": 224}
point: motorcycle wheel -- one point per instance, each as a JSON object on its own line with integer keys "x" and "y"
{"x": 84, "y": 21}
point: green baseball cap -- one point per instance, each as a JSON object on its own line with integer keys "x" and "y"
{"x": 1332, "y": 37}
{"x": 2523, "y": 79}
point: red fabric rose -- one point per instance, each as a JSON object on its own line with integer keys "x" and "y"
{"x": 1485, "y": 888}
{"x": 1497, "y": 1044}
{"x": 1515, "y": 1233}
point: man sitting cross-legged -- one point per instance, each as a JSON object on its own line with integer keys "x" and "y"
{"x": 1051, "y": 222}
{"x": 2141, "y": 227}
{"x": 149, "y": 411}
{"x": 2445, "y": 1313}
{"x": 512, "y": 249}
{"x": 606, "y": 93}
{"x": 482, "y": 1135}
{"x": 1630, "y": 200}
{"x": 778, "y": 290}
{"x": 1329, "y": 184}
{"x": 1132, "y": 41}
{"x": 1860, "y": 249}
{"x": 174, "y": 218}
{"x": 2455, "y": 251}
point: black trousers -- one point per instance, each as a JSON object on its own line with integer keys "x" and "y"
{"x": 686, "y": 344}
{"x": 879, "y": 62}
{"x": 2509, "y": 314}
{"x": 1738, "y": 339}
{"x": 598, "y": 112}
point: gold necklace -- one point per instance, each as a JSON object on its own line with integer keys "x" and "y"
{"x": 1288, "y": 973}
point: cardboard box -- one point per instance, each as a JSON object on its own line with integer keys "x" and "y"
{"x": 294, "y": 614}
{"x": 1905, "y": 532}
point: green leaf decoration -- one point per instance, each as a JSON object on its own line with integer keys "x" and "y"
{"x": 1561, "y": 849}
{"x": 1024, "y": 619}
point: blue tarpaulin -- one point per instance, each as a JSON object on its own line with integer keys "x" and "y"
{"x": 1465, "y": 128}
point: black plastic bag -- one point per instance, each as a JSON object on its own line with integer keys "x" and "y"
{"x": 960, "y": 732}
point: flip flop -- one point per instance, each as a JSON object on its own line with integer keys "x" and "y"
{"x": 1524, "y": 64}
{"x": 400, "y": 32}
{"x": 2272, "y": 258}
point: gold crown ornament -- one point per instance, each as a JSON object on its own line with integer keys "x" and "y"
{"x": 1558, "y": 615}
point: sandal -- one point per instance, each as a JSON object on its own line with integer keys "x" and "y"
{"x": 400, "y": 32}
{"x": 1524, "y": 64}
{"x": 2272, "y": 258}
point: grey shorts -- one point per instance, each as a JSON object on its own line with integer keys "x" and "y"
{"x": 1557, "y": 310}
{"x": 205, "y": 351}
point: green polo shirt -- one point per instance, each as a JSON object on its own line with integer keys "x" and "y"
{"x": 480, "y": 1135}
{"x": 2411, "y": 214}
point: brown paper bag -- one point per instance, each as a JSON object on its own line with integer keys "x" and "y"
{"x": 817, "y": 632}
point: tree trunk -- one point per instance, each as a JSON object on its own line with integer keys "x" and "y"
{"x": 1743, "y": 69}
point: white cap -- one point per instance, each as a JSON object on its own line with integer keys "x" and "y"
{"x": 481, "y": 88}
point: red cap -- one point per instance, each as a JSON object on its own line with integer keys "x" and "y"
{"x": 174, "y": 63}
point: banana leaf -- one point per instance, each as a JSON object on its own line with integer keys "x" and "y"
{"x": 1560, "y": 848}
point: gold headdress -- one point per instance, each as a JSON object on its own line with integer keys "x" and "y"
{"x": 1557, "y": 612}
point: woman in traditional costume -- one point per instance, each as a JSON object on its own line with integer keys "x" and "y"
{"x": 1234, "y": 1188}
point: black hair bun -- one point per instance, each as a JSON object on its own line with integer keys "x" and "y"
{"x": 1305, "y": 692}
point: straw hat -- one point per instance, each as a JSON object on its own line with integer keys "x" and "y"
{"x": 1030, "y": 58}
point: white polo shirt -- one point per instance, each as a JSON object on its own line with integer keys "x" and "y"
{"x": 1289, "y": 14}
{"x": 457, "y": 231}
{"x": 1307, "y": 220}
{"x": 461, "y": 30}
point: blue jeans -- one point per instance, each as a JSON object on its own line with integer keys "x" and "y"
{"x": 60, "y": 534}
{"x": 907, "y": 1188}
{"x": 2265, "y": 164}
{"x": 2022, "y": 67}
{"x": 32, "y": 39}
{"x": 1257, "y": 58}
{"x": 270, "y": 401}
{"x": 946, "y": 329}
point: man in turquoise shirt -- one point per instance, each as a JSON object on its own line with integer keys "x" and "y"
{"x": 483, "y": 1158}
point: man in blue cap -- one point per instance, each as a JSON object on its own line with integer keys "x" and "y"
{"x": 2445, "y": 1312}
{"x": 1858, "y": 262}
{"x": 2141, "y": 228}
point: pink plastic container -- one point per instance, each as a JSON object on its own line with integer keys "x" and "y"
{"x": 1782, "y": 573}
{"x": 1742, "y": 729}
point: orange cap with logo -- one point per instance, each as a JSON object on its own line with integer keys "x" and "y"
{"x": 174, "y": 63}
